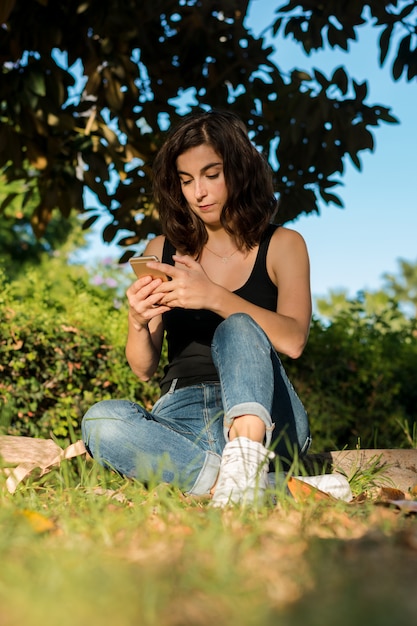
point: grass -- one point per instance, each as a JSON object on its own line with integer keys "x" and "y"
{"x": 369, "y": 477}
{"x": 84, "y": 546}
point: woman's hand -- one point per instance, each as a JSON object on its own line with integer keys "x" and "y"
{"x": 145, "y": 301}
{"x": 189, "y": 287}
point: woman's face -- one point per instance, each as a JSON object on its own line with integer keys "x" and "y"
{"x": 203, "y": 185}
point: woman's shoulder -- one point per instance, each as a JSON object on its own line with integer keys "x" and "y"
{"x": 155, "y": 246}
{"x": 286, "y": 246}
{"x": 287, "y": 236}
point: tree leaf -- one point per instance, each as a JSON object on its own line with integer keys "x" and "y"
{"x": 89, "y": 222}
{"x": 412, "y": 66}
{"x": 126, "y": 256}
{"x": 361, "y": 90}
{"x": 401, "y": 58}
{"x": 340, "y": 79}
{"x": 337, "y": 37}
{"x": 276, "y": 26}
{"x": 302, "y": 491}
{"x": 109, "y": 232}
{"x": 36, "y": 82}
{"x": 321, "y": 79}
{"x": 386, "y": 116}
{"x": 7, "y": 200}
{"x": 384, "y": 43}
{"x": 331, "y": 197}
{"x": 406, "y": 11}
{"x": 38, "y": 522}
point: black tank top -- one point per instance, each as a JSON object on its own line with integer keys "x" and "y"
{"x": 190, "y": 332}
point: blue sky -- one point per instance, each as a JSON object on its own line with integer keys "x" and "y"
{"x": 351, "y": 248}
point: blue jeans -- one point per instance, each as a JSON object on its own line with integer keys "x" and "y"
{"x": 181, "y": 440}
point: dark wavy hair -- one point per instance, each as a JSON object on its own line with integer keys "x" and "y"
{"x": 251, "y": 202}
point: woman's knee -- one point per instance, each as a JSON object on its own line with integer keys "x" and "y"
{"x": 239, "y": 325}
{"x": 240, "y": 337}
{"x": 100, "y": 421}
{"x": 95, "y": 412}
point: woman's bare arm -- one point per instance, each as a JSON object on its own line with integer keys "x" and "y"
{"x": 145, "y": 329}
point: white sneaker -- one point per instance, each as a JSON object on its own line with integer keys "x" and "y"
{"x": 243, "y": 475}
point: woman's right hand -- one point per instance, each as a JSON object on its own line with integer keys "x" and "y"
{"x": 144, "y": 302}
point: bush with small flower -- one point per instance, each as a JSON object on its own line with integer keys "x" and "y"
{"x": 62, "y": 336}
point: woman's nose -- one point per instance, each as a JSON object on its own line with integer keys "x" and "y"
{"x": 200, "y": 190}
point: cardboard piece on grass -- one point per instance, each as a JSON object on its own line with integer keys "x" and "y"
{"x": 399, "y": 467}
{"x": 25, "y": 454}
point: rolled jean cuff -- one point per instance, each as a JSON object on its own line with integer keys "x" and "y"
{"x": 207, "y": 476}
{"x": 249, "y": 408}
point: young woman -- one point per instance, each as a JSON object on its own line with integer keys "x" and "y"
{"x": 238, "y": 294}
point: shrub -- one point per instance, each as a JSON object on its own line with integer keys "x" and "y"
{"x": 357, "y": 380}
{"x": 62, "y": 343}
{"x": 62, "y": 349}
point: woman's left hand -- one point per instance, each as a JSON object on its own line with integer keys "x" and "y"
{"x": 189, "y": 287}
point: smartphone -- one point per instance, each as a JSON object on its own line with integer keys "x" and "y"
{"x": 140, "y": 268}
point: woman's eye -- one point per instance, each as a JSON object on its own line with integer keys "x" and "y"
{"x": 185, "y": 182}
{"x": 213, "y": 175}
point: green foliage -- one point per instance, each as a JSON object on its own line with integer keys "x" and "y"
{"x": 88, "y": 91}
{"x": 335, "y": 24}
{"x": 19, "y": 248}
{"x": 404, "y": 286}
{"x": 357, "y": 380}
{"x": 399, "y": 293}
{"x": 62, "y": 349}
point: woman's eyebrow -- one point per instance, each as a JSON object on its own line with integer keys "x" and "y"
{"x": 203, "y": 169}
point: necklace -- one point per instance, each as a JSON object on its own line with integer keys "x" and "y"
{"x": 225, "y": 259}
